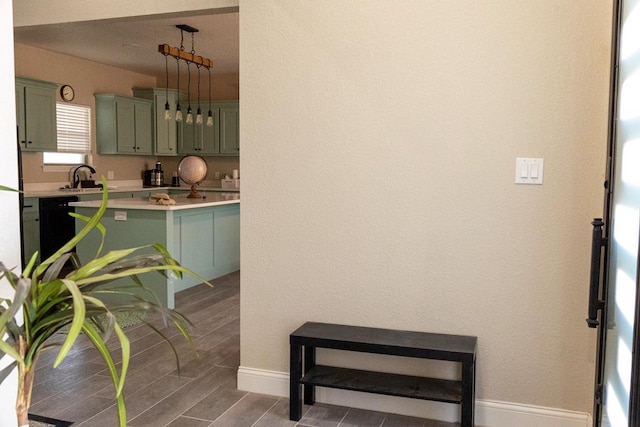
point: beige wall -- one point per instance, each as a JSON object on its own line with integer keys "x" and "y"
{"x": 379, "y": 144}
{"x": 41, "y": 12}
{"x": 89, "y": 78}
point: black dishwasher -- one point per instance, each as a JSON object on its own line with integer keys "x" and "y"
{"x": 57, "y": 227}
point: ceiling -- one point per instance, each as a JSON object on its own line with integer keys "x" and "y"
{"x": 132, "y": 44}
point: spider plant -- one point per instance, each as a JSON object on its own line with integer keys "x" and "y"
{"x": 65, "y": 306}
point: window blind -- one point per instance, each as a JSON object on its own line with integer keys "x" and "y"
{"x": 74, "y": 128}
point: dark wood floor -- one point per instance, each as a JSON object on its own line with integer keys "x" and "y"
{"x": 204, "y": 394}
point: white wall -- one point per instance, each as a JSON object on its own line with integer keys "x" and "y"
{"x": 9, "y": 222}
{"x": 379, "y": 143}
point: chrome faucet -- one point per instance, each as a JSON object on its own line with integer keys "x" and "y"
{"x": 76, "y": 179}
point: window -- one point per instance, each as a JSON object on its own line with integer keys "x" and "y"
{"x": 74, "y": 135}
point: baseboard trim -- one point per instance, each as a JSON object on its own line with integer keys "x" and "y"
{"x": 488, "y": 413}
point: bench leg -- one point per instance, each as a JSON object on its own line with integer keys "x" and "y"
{"x": 468, "y": 393}
{"x": 309, "y": 362}
{"x": 295, "y": 388}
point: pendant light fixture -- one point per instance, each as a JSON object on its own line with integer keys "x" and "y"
{"x": 210, "y": 115}
{"x": 180, "y": 54}
{"x": 199, "y": 111}
{"x": 167, "y": 108}
{"x": 178, "y": 109}
{"x": 193, "y": 52}
{"x": 189, "y": 114}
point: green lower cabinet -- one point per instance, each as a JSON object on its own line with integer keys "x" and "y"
{"x": 31, "y": 228}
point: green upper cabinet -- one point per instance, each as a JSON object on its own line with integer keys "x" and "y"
{"x": 199, "y": 139}
{"x": 36, "y": 114}
{"x": 124, "y": 125}
{"x": 165, "y": 131}
{"x": 219, "y": 140}
{"x": 229, "y": 129}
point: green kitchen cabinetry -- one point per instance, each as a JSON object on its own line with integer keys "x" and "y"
{"x": 198, "y": 139}
{"x": 204, "y": 239}
{"x": 31, "y": 228}
{"x": 229, "y": 129}
{"x": 165, "y": 131}
{"x": 124, "y": 125}
{"x": 36, "y": 114}
{"x": 222, "y": 139}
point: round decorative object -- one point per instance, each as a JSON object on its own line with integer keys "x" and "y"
{"x": 192, "y": 170}
{"x": 67, "y": 93}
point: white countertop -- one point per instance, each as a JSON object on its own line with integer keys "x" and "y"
{"x": 80, "y": 191}
{"x": 182, "y": 202}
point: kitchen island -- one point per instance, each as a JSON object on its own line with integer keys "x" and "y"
{"x": 201, "y": 234}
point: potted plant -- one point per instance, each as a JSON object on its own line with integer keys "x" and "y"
{"x": 74, "y": 303}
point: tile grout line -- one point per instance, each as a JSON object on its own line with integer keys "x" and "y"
{"x": 229, "y": 408}
{"x": 265, "y": 412}
{"x": 344, "y": 416}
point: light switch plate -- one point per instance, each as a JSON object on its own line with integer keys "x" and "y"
{"x": 529, "y": 170}
{"x": 120, "y": 216}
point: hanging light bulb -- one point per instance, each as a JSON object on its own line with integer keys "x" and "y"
{"x": 178, "y": 109}
{"x": 199, "y": 111}
{"x": 167, "y": 108}
{"x": 189, "y": 113}
{"x": 210, "y": 115}
{"x": 189, "y": 116}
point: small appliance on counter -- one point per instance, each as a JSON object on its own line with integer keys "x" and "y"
{"x": 175, "y": 180}
{"x": 153, "y": 177}
{"x": 228, "y": 183}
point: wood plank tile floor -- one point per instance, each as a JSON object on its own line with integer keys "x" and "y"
{"x": 204, "y": 394}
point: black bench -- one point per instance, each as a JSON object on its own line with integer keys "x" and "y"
{"x": 456, "y": 348}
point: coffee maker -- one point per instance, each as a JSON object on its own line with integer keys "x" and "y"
{"x": 154, "y": 177}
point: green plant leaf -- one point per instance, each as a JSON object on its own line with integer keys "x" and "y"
{"x": 99, "y": 226}
{"x": 26, "y": 272}
{"x": 76, "y": 324}
{"x": 54, "y": 269}
{"x": 8, "y": 274}
{"x": 21, "y": 293}
{"x": 97, "y": 264}
{"x": 124, "y": 344}
{"x": 9, "y": 350}
{"x": 101, "y": 346}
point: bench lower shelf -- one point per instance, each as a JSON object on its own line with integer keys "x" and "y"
{"x": 384, "y": 383}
